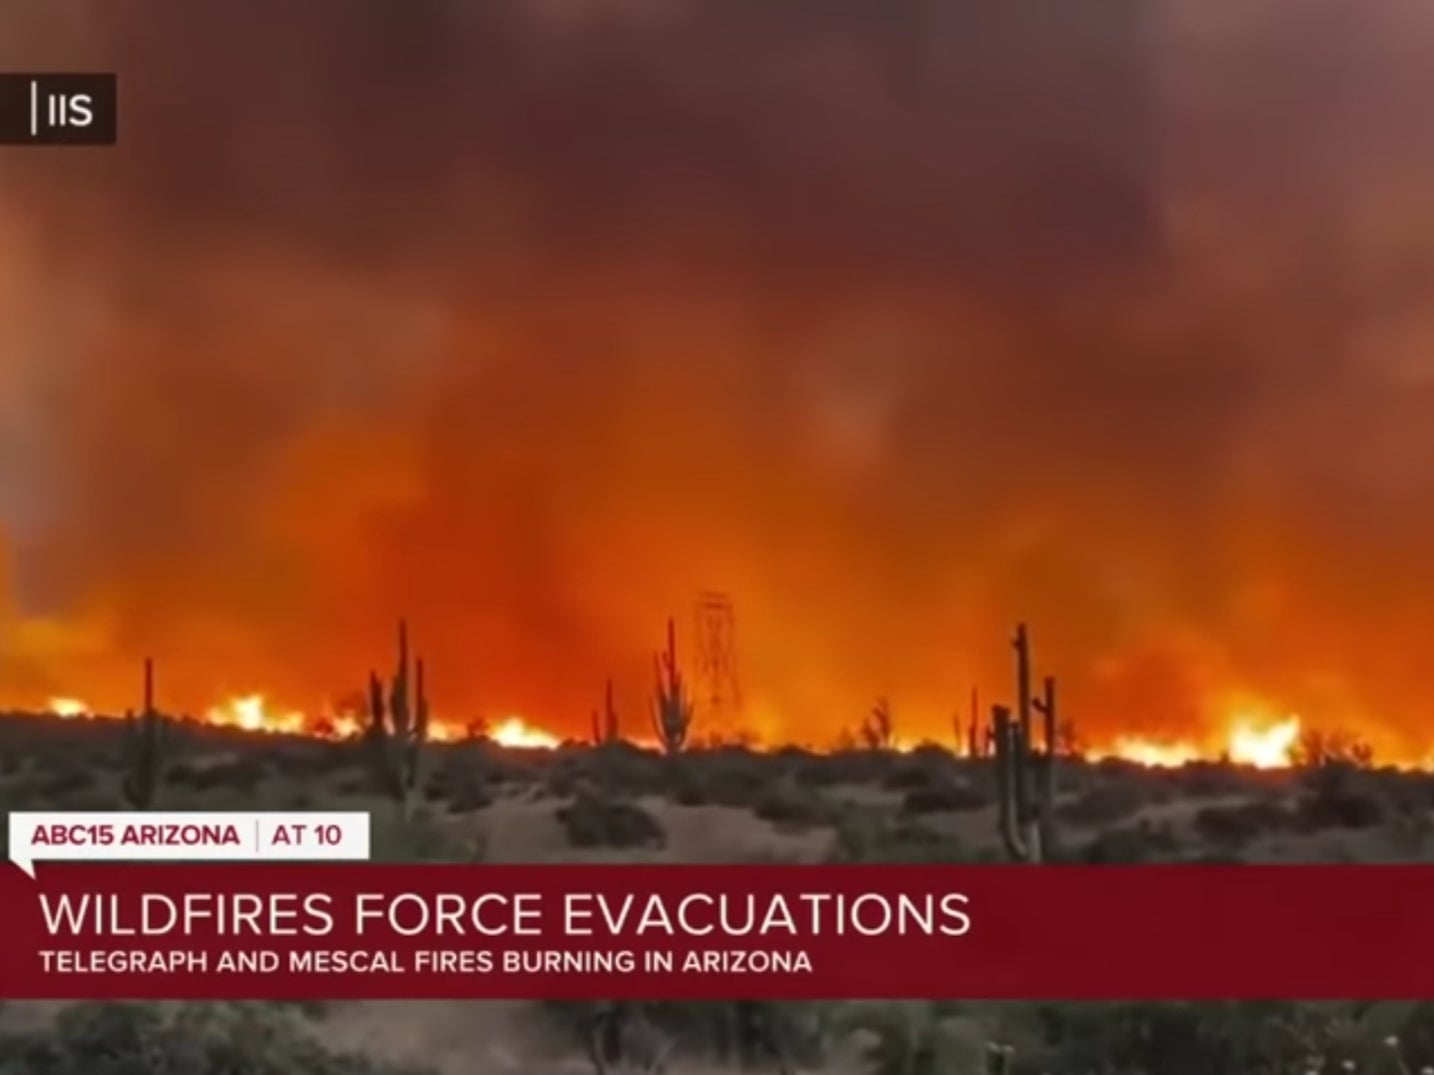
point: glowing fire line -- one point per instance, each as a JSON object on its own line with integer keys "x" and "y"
{"x": 1253, "y": 741}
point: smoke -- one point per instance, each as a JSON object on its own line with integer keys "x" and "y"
{"x": 895, "y": 322}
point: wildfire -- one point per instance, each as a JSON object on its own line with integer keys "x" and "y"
{"x": 1259, "y": 743}
{"x": 1150, "y": 753}
{"x": 250, "y": 713}
{"x": 1253, "y": 737}
{"x": 1268, "y": 748}
{"x": 518, "y": 733}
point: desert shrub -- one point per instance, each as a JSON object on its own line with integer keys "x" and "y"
{"x": 728, "y": 777}
{"x": 306, "y": 759}
{"x": 468, "y": 795}
{"x": 595, "y": 821}
{"x": 1208, "y": 780}
{"x": 18, "y": 793}
{"x": 1132, "y": 845}
{"x": 242, "y": 775}
{"x": 188, "y": 1039}
{"x": 423, "y": 838}
{"x": 842, "y": 767}
{"x": 865, "y": 836}
{"x": 742, "y": 1035}
{"x": 1238, "y": 824}
{"x": 1339, "y": 796}
{"x": 55, "y": 785}
{"x": 789, "y": 806}
{"x": 355, "y": 785}
{"x": 921, "y": 768}
{"x": 1407, "y": 794}
{"x": 942, "y": 796}
{"x": 688, "y": 789}
{"x": 461, "y": 787}
{"x": 1104, "y": 804}
{"x": 618, "y": 768}
{"x": 1177, "y": 1038}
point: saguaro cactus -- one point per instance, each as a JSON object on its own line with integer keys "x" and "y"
{"x": 398, "y": 727}
{"x": 671, "y": 704}
{"x": 878, "y": 731}
{"x": 145, "y": 740}
{"x": 605, "y": 722}
{"x": 1026, "y": 778}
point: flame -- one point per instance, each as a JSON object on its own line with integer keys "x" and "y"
{"x": 1251, "y": 740}
{"x": 251, "y": 713}
{"x": 1252, "y": 737}
{"x": 1267, "y": 748}
{"x": 518, "y": 733}
{"x": 1151, "y": 753}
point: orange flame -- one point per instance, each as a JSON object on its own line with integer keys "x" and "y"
{"x": 517, "y": 733}
{"x": 251, "y": 713}
{"x": 1250, "y": 740}
{"x": 1253, "y": 737}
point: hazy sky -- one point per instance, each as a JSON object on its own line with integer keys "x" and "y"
{"x": 895, "y": 321}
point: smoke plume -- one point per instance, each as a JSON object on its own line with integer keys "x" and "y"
{"x": 894, "y": 322}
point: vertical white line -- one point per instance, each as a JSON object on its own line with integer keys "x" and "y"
{"x": 34, "y": 109}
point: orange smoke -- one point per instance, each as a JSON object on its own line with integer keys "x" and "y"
{"x": 896, "y": 327}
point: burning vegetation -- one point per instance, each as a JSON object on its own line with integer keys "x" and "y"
{"x": 1023, "y": 745}
{"x": 393, "y": 722}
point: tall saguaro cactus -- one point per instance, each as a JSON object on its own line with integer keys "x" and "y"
{"x": 606, "y": 728}
{"x": 145, "y": 741}
{"x": 1026, "y": 776}
{"x": 671, "y": 704}
{"x": 398, "y": 726}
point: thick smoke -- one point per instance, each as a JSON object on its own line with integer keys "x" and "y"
{"x": 897, "y": 322}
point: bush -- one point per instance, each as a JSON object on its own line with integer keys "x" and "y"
{"x": 1235, "y": 826}
{"x": 792, "y": 807}
{"x": 64, "y": 782}
{"x": 423, "y": 839}
{"x": 843, "y": 767}
{"x": 1105, "y": 804}
{"x": 462, "y": 788}
{"x": 1346, "y": 808}
{"x": 1132, "y": 846}
{"x": 914, "y": 772}
{"x": 237, "y": 774}
{"x": 941, "y": 797}
{"x": 729, "y": 777}
{"x": 1209, "y": 780}
{"x": 190, "y": 1039}
{"x": 864, "y": 836}
{"x": 592, "y": 821}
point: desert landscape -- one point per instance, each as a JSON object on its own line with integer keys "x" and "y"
{"x": 470, "y": 798}
{"x": 885, "y": 326}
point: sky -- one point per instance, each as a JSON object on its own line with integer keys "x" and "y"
{"x": 895, "y": 322}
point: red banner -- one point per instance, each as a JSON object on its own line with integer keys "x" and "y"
{"x": 338, "y": 931}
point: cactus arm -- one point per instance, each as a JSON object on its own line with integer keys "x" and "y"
{"x": 398, "y": 726}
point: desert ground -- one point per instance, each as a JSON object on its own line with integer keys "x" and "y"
{"x": 617, "y": 803}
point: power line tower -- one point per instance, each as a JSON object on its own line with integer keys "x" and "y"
{"x": 718, "y": 688}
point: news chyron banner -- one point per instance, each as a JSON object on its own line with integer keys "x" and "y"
{"x": 288, "y": 906}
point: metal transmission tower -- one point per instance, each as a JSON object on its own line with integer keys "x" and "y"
{"x": 718, "y": 689}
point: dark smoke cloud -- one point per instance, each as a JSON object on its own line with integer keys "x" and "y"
{"x": 897, "y": 321}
